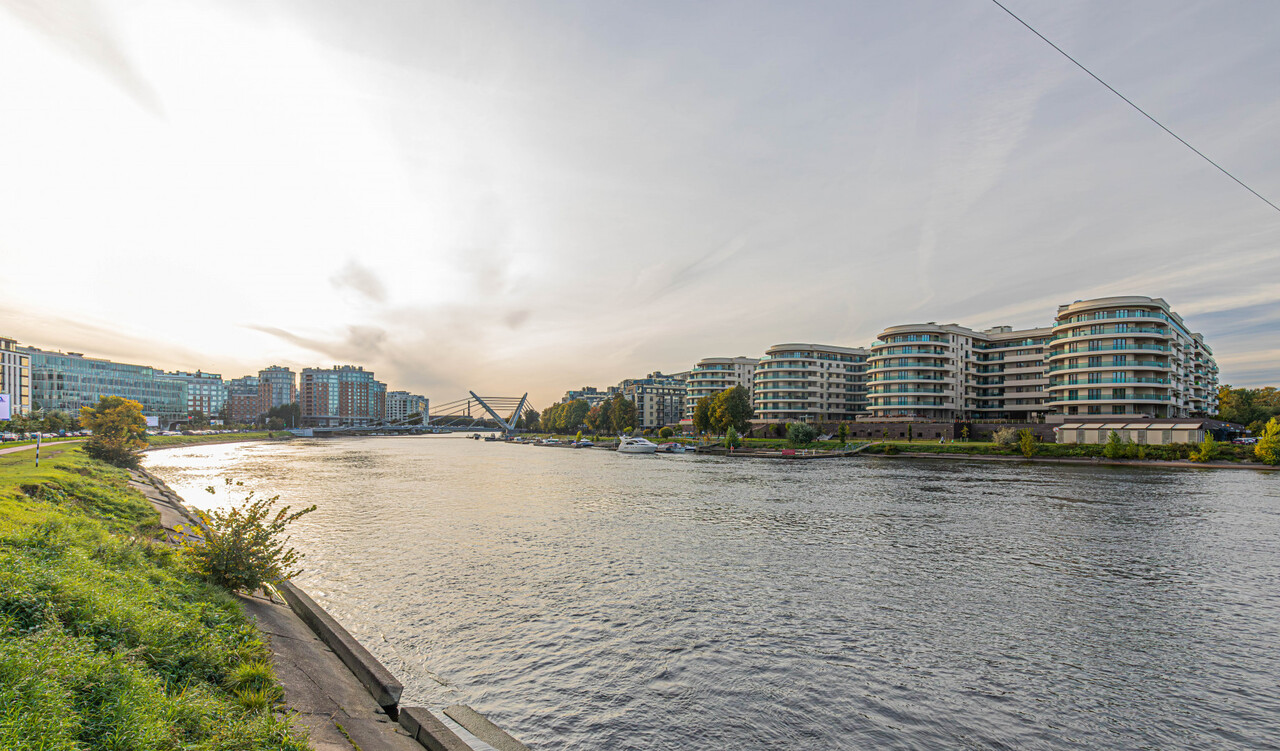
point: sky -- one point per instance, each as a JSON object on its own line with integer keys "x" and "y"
{"x": 536, "y": 196}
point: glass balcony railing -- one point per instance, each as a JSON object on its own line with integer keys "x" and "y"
{"x": 1091, "y": 384}
{"x": 1109, "y": 398}
{"x": 899, "y": 364}
{"x": 1133, "y": 365}
{"x": 1109, "y": 348}
{"x": 1111, "y": 331}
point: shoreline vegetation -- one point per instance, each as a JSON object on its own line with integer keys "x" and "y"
{"x": 1174, "y": 456}
{"x": 108, "y": 639}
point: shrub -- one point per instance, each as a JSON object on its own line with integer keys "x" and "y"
{"x": 1114, "y": 448}
{"x": 731, "y": 439}
{"x": 843, "y": 433}
{"x": 245, "y": 546}
{"x": 801, "y": 434}
{"x": 1027, "y": 442}
{"x": 1005, "y": 437}
{"x": 1267, "y": 449}
{"x": 1207, "y": 451}
{"x": 666, "y": 432}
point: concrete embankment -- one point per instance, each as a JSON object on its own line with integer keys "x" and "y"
{"x": 335, "y": 687}
{"x": 1082, "y": 461}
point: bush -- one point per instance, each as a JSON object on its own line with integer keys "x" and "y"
{"x": 114, "y": 451}
{"x": 1027, "y": 442}
{"x": 801, "y": 434}
{"x": 1267, "y": 449}
{"x": 1207, "y": 451}
{"x": 731, "y": 439}
{"x": 244, "y": 547}
{"x": 1005, "y": 437}
{"x": 666, "y": 432}
{"x": 1114, "y": 448}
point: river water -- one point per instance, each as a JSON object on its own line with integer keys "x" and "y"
{"x": 585, "y": 599}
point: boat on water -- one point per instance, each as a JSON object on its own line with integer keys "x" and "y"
{"x": 672, "y": 448}
{"x": 636, "y": 445}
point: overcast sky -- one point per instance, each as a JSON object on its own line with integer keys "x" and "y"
{"x": 535, "y": 196}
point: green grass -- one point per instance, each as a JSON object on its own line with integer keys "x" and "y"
{"x": 107, "y": 640}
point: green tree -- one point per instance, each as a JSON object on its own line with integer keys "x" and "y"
{"x": 119, "y": 430}
{"x": 530, "y": 419}
{"x": 732, "y": 409}
{"x": 702, "y": 414}
{"x": 801, "y": 433}
{"x": 575, "y": 413}
{"x": 1267, "y": 449}
{"x": 910, "y": 434}
{"x": 964, "y": 433}
{"x": 57, "y": 421}
{"x": 622, "y": 413}
{"x": 1208, "y": 450}
{"x": 1114, "y": 448}
{"x": 275, "y": 423}
{"x": 666, "y": 432}
{"x": 596, "y": 420}
{"x": 731, "y": 439}
{"x": 843, "y": 433}
{"x": 1027, "y": 441}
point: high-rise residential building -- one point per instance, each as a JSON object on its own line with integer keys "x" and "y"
{"x": 205, "y": 393}
{"x": 69, "y": 381}
{"x": 341, "y": 396}
{"x": 15, "y": 377}
{"x": 810, "y": 383}
{"x": 278, "y": 385}
{"x": 946, "y": 372}
{"x": 244, "y": 399}
{"x": 659, "y": 399}
{"x": 401, "y": 404}
{"x": 715, "y": 374}
{"x": 1129, "y": 356}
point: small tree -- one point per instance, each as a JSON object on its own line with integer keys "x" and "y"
{"x": 801, "y": 433}
{"x": 119, "y": 430}
{"x": 1114, "y": 448}
{"x": 578, "y": 437}
{"x": 1027, "y": 441}
{"x": 964, "y": 433}
{"x": 666, "y": 432}
{"x": 1267, "y": 449}
{"x": 1007, "y": 436}
{"x": 245, "y": 546}
{"x": 910, "y": 434}
{"x": 732, "y": 408}
{"x": 1207, "y": 451}
{"x": 731, "y": 439}
{"x": 843, "y": 433}
{"x": 702, "y": 415}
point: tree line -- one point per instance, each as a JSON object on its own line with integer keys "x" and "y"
{"x": 1249, "y": 407}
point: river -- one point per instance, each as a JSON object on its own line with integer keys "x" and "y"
{"x": 585, "y": 599}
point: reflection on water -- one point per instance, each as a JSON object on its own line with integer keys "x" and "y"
{"x": 590, "y": 600}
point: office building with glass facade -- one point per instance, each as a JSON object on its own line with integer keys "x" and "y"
{"x": 67, "y": 381}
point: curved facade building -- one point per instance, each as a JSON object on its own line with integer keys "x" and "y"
{"x": 810, "y": 383}
{"x": 945, "y": 372}
{"x": 715, "y": 374}
{"x": 1129, "y": 356}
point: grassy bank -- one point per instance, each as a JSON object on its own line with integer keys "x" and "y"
{"x": 107, "y": 641}
{"x": 167, "y": 441}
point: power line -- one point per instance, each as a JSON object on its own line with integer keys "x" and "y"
{"x": 1136, "y": 107}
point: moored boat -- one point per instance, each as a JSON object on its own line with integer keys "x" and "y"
{"x": 636, "y": 445}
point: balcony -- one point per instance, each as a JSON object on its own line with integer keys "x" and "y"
{"x": 907, "y": 364}
{"x": 1135, "y": 365}
{"x": 1121, "y": 381}
{"x": 1110, "y": 398}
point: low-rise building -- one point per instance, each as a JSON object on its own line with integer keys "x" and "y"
{"x": 15, "y": 378}
{"x": 715, "y": 374}
{"x": 1154, "y": 432}
{"x": 341, "y": 396}
{"x": 811, "y": 383}
{"x": 590, "y": 394}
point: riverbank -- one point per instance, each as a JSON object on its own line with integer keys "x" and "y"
{"x": 172, "y": 441}
{"x": 106, "y": 638}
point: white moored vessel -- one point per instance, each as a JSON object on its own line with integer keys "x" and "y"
{"x": 629, "y": 445}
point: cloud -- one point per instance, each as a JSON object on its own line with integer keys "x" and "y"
{"x": 77, "y": 27}
{"x": 361, "y": 344}
{"x": 360, "y": 279}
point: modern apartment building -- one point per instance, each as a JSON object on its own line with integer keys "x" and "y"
{"x": 244, "y": 399}
{"x": 659, "y": 399}
{"x": 278, "y": 387}
{"x": 401, "y": 404}
{"x": 341, "y": 396}
{"x": 205, "y": 393}
{"x": 590, "y": 394}
{"x": 1129, "y": 356}
{"x": 945, "y": 372}
{"x": 810, "y": 383}
{"x": 69, "y": 381}
{"x": 15, "y": 378}
{"x": 715, "y": 374}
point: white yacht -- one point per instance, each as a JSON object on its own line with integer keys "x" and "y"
{"x": 636, "y": 445}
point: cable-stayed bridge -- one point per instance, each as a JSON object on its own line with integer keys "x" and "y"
{"x": 473, "y": 413}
